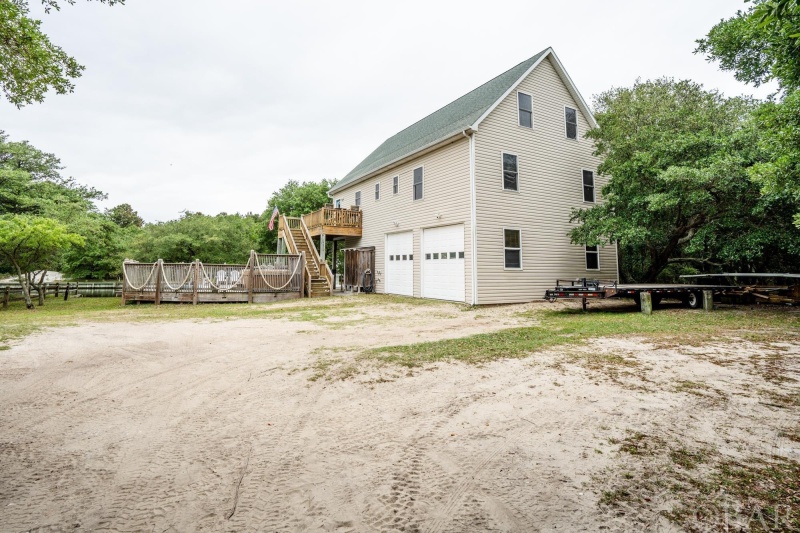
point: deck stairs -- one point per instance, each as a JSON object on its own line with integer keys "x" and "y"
{"x": 299, "y": 241}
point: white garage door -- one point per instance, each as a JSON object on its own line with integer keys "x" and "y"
{"x": 443, "y": 263}
{"x": 400, "y": 263}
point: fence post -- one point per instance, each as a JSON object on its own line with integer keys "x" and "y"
{"x": 708, "y": 300}
{"x": 646, "y": 302}
{"x": 57, "y": 290}
{"x": 252, "y": 264}
{"x": 6, "y": 297}
{"x": 66, "y": 292}
{"x": 157, "y": 266}
{"x": 195, "y": 294}
{"x": 303, "y": 271}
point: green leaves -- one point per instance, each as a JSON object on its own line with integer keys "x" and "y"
{"x": 31, "y": 65}
{"x": 680, "y": 159}
{"x": 33, "y": 243}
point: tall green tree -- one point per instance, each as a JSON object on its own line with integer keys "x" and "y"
{"x": 760, "y": 45}
{"x": 678, "y": 159}
{"x": 212, "y": 239}
{"x": 293, "y": 199}
{"x": 30, "y": 243}
{"x": 124, "y": 216}
{"x": 30, "y": 64}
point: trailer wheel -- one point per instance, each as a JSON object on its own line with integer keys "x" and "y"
{"x": 693, "y": 301}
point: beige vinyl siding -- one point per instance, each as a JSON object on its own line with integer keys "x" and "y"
{"x": 550, "y": 185}
{"x": 445, "y": 193}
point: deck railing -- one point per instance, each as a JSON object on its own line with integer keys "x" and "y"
{"x": 263, "y": 273}
{"x": 333, "y": 216}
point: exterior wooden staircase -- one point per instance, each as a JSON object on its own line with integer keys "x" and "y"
{"x": 298, "y": 241}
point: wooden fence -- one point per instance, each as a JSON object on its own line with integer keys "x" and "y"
{"x": 60, "y": 289}
{"x": 265, "y": 278}
{"x": 359, "y": 269}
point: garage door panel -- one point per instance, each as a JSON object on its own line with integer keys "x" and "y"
{"x": 400, "y": 263}
{"x": 443, "y": 263}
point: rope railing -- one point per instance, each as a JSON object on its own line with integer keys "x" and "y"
{"x": 263, "y": 273}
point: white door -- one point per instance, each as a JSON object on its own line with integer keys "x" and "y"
{"x": 400, "y": 263}
{"x": 443, "y": 263}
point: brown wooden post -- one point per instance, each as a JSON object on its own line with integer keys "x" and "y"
{"x": 646, "y": 303}
{"x": 252, "y": 273}
{"x": 196, "y": 291}
{"x": 158, "y": 281}
{"x": 6, "y": 297}
{"x": 66, "y": 292}
{"x": 708, "y": 301}
{"x": 303, "y": 274}
{"x": 57, "y": 290}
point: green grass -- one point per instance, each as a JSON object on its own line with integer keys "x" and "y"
{"x": 570, "y": 327}
{"x": 17, "y": 322}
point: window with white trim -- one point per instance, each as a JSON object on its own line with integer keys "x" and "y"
{"x": 571, "y": 119}
{"x": 510, "y": 174}
{"x": 525, "y": 105}
{"x": 395, "y": 184}
{"x": 338, "y": 203}
{"x": 358, "y": 198}
{"x": 512, "y": 248}
{"x": 588, "y": 186}
{"x": 592, "y": 258}
{"x": 378, "y": 191}
{"x": 418, "y": 183}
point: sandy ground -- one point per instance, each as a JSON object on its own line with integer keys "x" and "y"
{"x": 215, "y": 426}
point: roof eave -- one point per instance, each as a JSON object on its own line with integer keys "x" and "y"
{"x": 562, "y": 73}
{"x": 430, "y": 147}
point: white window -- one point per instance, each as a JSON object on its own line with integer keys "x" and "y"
{"x": 592, "y": 258}
{"x": 525, "y": 105}
{"x": 338, "y": 203}
{"x": 510, "y": 174}
{"x": 358, "y": 198}
{"x": 513, "y": 248}
{"x": 571, "y": 119}
{"x": 395, "y": 184}
{"x": 418, "y": 183}
{"x": 378, "y": 191}
{"x": 588, "y": 186}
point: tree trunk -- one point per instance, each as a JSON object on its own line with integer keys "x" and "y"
{"x": 23, "y": 281}
{"x": 40, "y": 287}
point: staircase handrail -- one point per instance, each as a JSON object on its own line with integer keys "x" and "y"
{"x": 292, "y": 247}
{"x": 327, "y": 270}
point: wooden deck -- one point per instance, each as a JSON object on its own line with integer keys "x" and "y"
{"x": 334, "y": 222}
{"x": 265, "y": 278}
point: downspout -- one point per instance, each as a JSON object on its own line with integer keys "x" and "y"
{"x": 473, "y": 215}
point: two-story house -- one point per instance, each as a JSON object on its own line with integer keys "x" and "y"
{"x": 472, "y": 203}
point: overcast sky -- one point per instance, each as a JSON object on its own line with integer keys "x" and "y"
{"x": 211, "y": 105}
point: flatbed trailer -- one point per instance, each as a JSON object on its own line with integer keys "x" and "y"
{"x": 585, "y": 289}
{"x": 731, "y": 290}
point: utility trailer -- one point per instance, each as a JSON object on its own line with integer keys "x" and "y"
{"x": 736, "y": 288}
{"x": 584, "y": 289}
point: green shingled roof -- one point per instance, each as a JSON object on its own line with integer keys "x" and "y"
{"x": 453, "y": 118}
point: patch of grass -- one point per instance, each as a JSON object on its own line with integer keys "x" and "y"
{"x": 573, "y": 327}
{"x": 691, "y": 387}
{"x": 614, "y": 497}
{"x": 686, "y": 458}
{"x": 640, "y": 444}
{"x": 17, "y": 322}
{"x": 757, "y": 495}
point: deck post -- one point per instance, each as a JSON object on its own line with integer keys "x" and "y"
{"x": 196, "y": 284}
{"x": 322, "y": 246}
{"x": 252, "y": 280}
{"x": 708, "y": 300}
{"x": 157, "y": 300}
{"x": 334, "y": 265}
{"x": 646, "y": 300}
